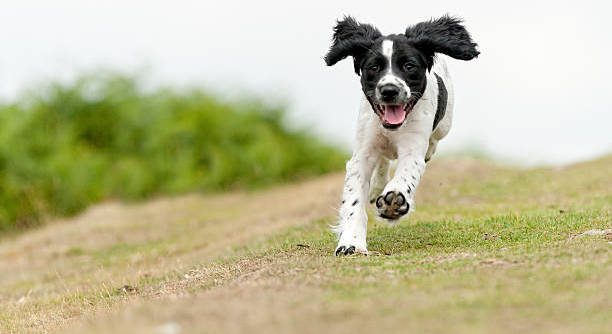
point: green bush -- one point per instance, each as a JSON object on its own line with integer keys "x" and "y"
{"x": 102, "y": 137}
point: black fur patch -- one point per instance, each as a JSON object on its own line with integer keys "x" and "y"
{"x": 444, "y": 35}
{"x": 351, "y": 38}
{"x": 442, "y": 100}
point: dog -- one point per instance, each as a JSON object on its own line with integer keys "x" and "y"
{"x": 407, "y": 107}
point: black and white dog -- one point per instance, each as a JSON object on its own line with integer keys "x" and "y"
{"x": 406, "y": 109}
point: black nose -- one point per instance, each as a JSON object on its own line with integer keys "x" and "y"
{"x": 389, "y": 92}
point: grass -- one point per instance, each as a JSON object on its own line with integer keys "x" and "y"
{"x": 490, "y": 249}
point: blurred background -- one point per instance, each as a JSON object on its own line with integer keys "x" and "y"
{"x": 128, "y": 99}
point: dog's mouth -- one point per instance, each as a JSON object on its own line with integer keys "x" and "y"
{"x": 392, "y": 116}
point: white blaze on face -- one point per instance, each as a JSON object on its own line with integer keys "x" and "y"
{"x": 390, "y": 78}
{"x": 387, "y": 51}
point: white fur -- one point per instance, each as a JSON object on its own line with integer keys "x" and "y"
{"x": 387, "y": 50}
{"x": 411, "y": 144}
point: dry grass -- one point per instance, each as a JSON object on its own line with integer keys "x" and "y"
{"x": 490, "y": 248}
{"x": 65, "y": 269}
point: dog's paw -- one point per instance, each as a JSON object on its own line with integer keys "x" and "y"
{"x": 392, "y": 205}
{"x": 349, "y": 250}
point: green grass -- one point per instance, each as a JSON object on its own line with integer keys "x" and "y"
{"x": 489, "y": 249}
{"x": 512, "y": 260}
{"x": 63, "y": 147}
{"x": 499, "y": 274}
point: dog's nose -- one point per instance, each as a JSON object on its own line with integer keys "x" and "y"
{"x": 389, "y": 92}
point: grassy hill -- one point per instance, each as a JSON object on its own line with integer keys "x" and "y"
{"x": 490, "y": 249}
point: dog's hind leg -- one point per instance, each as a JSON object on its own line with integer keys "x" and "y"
{"x": 433, "y": 144}
{"x": 380, "y": 177}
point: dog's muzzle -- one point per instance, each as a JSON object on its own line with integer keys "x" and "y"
{"x": 392, "y": 105}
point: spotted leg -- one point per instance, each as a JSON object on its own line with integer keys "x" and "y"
{"x": 352, "y": 228}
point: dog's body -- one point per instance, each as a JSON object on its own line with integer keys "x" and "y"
{"x": 407, "y": 108}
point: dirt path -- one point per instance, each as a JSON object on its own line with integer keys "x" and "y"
{"x": 113, "y": 245}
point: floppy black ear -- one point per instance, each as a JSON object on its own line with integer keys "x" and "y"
{"x": 444, "y": 35}
{"x": 351, "y": 38}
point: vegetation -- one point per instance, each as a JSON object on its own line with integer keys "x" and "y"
{"x": 489, "y": 249}
{"x": 67, "y": 146}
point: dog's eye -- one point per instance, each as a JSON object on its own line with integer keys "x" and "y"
{"x": 374, "y": 68}
{"x": 408, "y": 67}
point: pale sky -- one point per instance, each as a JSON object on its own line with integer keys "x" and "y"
{"x": 539, "y": 92}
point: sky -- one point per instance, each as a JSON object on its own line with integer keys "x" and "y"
{"x": 538, "y": 93}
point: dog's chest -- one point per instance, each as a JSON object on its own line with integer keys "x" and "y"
{"x": 386, "y": 147}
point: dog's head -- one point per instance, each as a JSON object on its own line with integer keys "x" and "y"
{"x": 393, "y": 68}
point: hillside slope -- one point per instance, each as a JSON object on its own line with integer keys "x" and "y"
{"x": 489, "y": 248}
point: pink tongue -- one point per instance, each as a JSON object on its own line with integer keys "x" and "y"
{"x": 394, "y": 114}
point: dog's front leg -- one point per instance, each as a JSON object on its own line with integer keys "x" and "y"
{"x": 397, "y": 199}
{"x": 352, "y": 227}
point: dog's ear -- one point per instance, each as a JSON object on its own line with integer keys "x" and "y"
{"x": 351, "y": 38}
{"x": 445, "y": 35}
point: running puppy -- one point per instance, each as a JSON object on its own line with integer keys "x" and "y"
{"x": 407, "y": 108}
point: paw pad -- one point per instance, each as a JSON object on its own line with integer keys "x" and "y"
{"x": 392, "y": 205}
